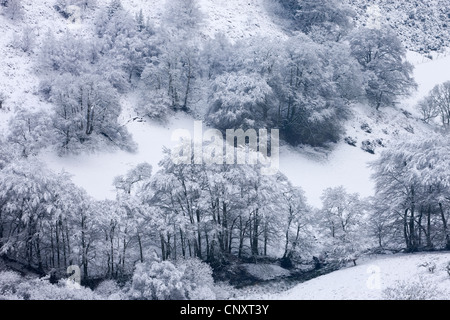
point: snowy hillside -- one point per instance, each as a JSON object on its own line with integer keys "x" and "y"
{"x": 422, "y": 26}
{"x": 115, "y": 166}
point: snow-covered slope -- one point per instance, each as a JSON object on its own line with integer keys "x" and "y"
{"x": 426, "y": 274}
{"x": 427, "y": 74}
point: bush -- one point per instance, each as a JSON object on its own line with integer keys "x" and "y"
{"x": 366, "y": 128}
{"x": 412, "y": 290}
{"x": 109, "y": 289}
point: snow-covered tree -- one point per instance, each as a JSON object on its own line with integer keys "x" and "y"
{"x": 183, "y": 16}
{"x": 86, "y": 110}
{"x": 428, "y": 109}
{"x": 297, "y": 225}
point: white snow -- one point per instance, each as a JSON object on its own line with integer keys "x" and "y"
{"x": 96, "y": 172}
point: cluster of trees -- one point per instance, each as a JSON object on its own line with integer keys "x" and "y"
{"x": 411, "y": 206}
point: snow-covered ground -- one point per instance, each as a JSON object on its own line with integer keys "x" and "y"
{"x": 427, "y": 74}
{"x": 426, "y": 274}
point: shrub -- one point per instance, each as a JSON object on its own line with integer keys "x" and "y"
{"x": 351, "y": 141}
{"x": 13, "y": 9}
{"x": 368, "y": 146}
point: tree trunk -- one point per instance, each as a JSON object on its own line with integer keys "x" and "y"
{"x": 266, "y": 238}
{"x": 111, "y": 248}
{"x": 412, "y": 230}
{"x": 405, "y": 229}
{"x": 286, "y": 239}
{"x": 68, "y": 247}
{"x": 445, "y": 227}
{"x": 124, "y": 251}
{"x": 241, "y": 237}
{"x": 207, "y": 245}
{"x": 183, "y": 243}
